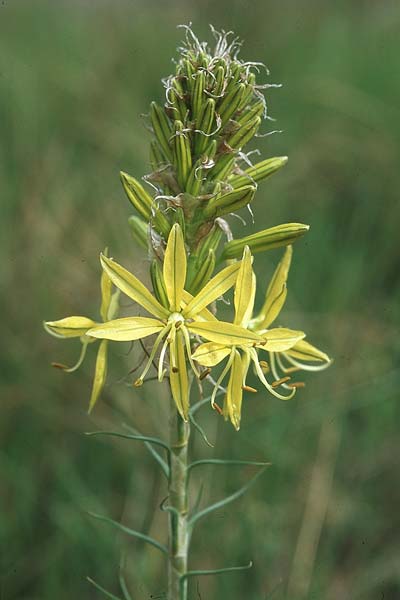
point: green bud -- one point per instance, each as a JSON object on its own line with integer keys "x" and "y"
{"x": 222, "y": 204}
{"x": 210, "y": 242}
{"x": 157, "y": 281}
{"x": 194, "y": 181}
{"x": 177, "y": 104}
{"x": 157, "y": 158}
{"x": 204, "y": 126}
{"x": 256, "y": 110}
{"x": 140, "y": 231}
{"x": 274, "y": 237}
{"x": 258, "y": 172}
{"x": 222, "y": 168}
{"x": 248, "y": 94}
{"x": 230, "y": 102}
{"x": 162, "y": 128}
{"x": 198, "y": 97}
{"x": 182, "y": 155}
{"x": 219, "y": 81}
{"x": 244, "y": 134}
{"x": 204, "y": 273}
{"x": 144, "y": 204}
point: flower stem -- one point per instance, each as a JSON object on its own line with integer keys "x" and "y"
{"x": 179, "y": 535}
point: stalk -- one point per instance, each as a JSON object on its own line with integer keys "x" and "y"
{"x": 179, "y": 536}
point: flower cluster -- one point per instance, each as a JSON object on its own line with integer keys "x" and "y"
{"x": 201, "y": 175}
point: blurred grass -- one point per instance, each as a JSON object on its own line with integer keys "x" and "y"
{"x": 323, "y": 522}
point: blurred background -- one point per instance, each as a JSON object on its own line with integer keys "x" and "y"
{"x": 323, "y": 521}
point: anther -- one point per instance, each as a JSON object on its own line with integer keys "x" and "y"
{"x": 264, "y": 365}
{"x": 217, "y": 408}
{"x": 175, "y": 370}
{"x": 138, "y": 382}
{"x": 279, "y": 382}
{"x": 248, "y": 388}
{"x": 204, "y": 374}
{"x": 178, "y": 324}
{"x": 297, "y": 384}
{"x": 57, "y": 365}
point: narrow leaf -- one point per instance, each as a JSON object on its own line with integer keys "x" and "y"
{"x": 103, "y": 590}
{"x": 222, "y": 461}
{"x": 206, "y": 511}
{"x": 131, "y": 436}
{"x": 132, "y": 532}
{"x": 215, "y": 571}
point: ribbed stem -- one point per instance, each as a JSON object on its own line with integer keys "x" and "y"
{"x": 179, "y": 536}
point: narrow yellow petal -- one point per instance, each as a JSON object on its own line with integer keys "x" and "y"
{"x": 203, "y": 315}
{"x": 210, "y": 354}
{"x": 69, "y": 327}
{"x": 276, "y": 292}
{"x": 245, "y": 290}
{"x": 224, "y": 333}
{"x": 106, "y": 286}
{"x": 234, "y": 392}
{"x": 126, "y": 329}
{"x": 132, "y": 287}
{"x": 178, "y": 375}
{"x": 281, "y": 339}
{"x": 100, "y": 374}
{"x": 305, "y": 351}
{"x": 174, "y": 269}
{"x": 218, "y": 285}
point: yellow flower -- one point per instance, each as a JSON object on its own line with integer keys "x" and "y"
{"x": 298, "y": 356}
{"x": 72, "y": 327}
{"x": 183, "y": 316}
{"x": 241, "y": 355}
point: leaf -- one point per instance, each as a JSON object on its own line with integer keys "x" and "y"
{"x": 276, "y": 292}
{"x": 132, "y": 532}
{"x": 126, "y": 329}
{"x": 163, "y": 464}
{"x": 178, "y": 375}
{"x": 100, "y": 374}
{"x": 132, "y": 287}
{"x": 174, "y": 269}
{"x": 227, "y": 462}
{"x": 225, "y": 501}
{"x": 201, "y": 431}
{"x": 215, "y": 571}
{"x": 224, "y": 333}
{"x": 103, "y": 590}
{"x": 281, "y": 339}
{"x": 212, "y": 290}
{"x": 130, "y": 436}
{"x": 210, "y": 354}
{"x": 245, "y": 290}
{"x": 69, "y": 327}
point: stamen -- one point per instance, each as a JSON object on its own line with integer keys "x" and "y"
{"x": 264, "y": 365}
{"x": 279, "y": 382}
{"x": 76, "y": 366}
{"x": 305, "y": 366}
{"x": 269, "y": 387}
{"x": 221, "y": 377}
{"x": 217, "y": 408}
{"x": 186, "y": 337}
{"x": 149, "y": 363}
{"x": 204, "y": 374}
{"x": 57, "y": 365}
{"x": 161, "y": 370}
{"x": 248, "y": 388}
{"x": 297, "y": 384}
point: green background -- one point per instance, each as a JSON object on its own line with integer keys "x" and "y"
{"x": 323, "y": 521}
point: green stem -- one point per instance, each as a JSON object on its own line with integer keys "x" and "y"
{"x": 179, "y": 535}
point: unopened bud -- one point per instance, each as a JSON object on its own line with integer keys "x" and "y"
{"x": 258, "y": 172}
{"x": 223, "y": 204}
{"x": 162, "y": 128}
{"x": 230, "y": 102}
{"x": 182, "y": 155}
{"x": 139, "y": 230}
{"x": 157, "y": 281}
{"x": 204, "y": 273}
{"x": 274, "y": 237}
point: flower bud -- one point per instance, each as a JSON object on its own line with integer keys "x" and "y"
{"x": 182, "y": 156}
{"x": 157, "y": 281}
{"x": 162, "y": 128}
{"x": 204, "y": 126}
{"x": 222, "y": 204}
{"x": 274, "y": 237}
{"x": 230, "y": 102}
{"x": 204, "y": 273}
{"x": 258, "y": 172}
{"x": 139, "y": 230}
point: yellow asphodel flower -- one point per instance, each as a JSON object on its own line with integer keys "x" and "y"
{"x": 298, "y": 356}
{"x": 185, "y": 315}
{"x": 72, "y": 327}
{"x": 243, "y": 354}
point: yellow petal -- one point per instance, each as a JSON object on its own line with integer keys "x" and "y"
{"x": 218, "y": 285}
{"x": 178, "y": 375}
{"x": 276, "y": 292}
{"x": 69, "y": 327}
{"x": 234, "y": 392}
{"x": 210, "y": 354}
{"x": 281, "y": 339}
{"x": 132, "y": 287}
{"x": 224, "y": 333}
{"x": 105, "y": 285}
{"x": 126, "y": 329}
{"x": 174, "y": 269}
{"x": 100, "y": 374}
{"x": 204, "y": 314}
{"x": 305, "y": 351}
{"x": 245, "y": 289}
